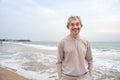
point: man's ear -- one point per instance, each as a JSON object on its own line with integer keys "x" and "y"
{"x": 81, "y": 25}
{"x": 67, "y": 27}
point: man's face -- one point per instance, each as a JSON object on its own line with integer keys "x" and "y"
{"x": 74, "y": 26}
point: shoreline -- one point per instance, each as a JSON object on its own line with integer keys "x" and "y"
{"x": 33, "y": 61}
{"x": 6, "y": 74}
{"x": 38, "y": 63}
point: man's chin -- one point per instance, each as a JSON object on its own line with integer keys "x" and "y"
{"x": 75, "y": 33}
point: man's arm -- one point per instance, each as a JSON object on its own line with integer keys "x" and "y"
{"x": 89, "y": 58}
{"x": 60, "y": 58}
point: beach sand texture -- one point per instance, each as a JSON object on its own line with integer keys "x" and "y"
{"x": 10, "y": 75}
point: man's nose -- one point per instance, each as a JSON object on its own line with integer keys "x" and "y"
{"x": 75, "y": 26}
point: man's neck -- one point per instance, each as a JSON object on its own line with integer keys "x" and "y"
{"x": 74, "y": 36}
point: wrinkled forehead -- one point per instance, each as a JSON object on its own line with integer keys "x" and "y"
{"x": 74, "y": 20}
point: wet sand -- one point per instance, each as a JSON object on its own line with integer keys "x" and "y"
{"x": 6, "y": 74}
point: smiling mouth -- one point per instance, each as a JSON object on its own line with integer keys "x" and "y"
{"x": 75, "y": 29}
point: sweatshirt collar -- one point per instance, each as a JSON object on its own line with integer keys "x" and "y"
{"x": 70, "y": 37}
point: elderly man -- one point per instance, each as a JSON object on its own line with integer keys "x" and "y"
{"x": 75, "y": 61}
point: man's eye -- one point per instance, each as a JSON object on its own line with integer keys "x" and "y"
{"x": 77, "y": 24}
{"x": 72, "y": 24}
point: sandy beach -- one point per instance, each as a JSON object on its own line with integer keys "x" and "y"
{"x": 10, "y": 75}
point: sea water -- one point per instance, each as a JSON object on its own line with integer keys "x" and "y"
{"x": 106, "y": 60}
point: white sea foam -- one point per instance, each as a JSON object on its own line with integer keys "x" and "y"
{"x": 39, "y": 46}
{"x": 104, "y": 62}
{"x": 16, "y": 60}
{"x": 34, "y": 75}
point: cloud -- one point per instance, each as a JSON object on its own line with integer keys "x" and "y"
{"x": 108, "y": 18}
{"x": 36, "y": 18}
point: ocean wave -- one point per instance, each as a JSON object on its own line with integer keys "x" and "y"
{"x": 38, "y": 65}
{"x": 39, "y": 46}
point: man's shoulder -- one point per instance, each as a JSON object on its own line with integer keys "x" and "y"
{"x": 64, "y": 39}
{"x": 84, "y": 40}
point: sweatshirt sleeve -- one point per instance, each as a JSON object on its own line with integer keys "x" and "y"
{"x": 59, "y": 59}
{"x": 89, "y": 58}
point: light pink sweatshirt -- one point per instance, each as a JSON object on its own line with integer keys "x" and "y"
{"x": 74, "y": 57}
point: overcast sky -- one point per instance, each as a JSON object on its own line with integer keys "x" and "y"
{"x": 45, "y": 20}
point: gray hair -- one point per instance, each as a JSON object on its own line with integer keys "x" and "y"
{"x": 73, "y": 18}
